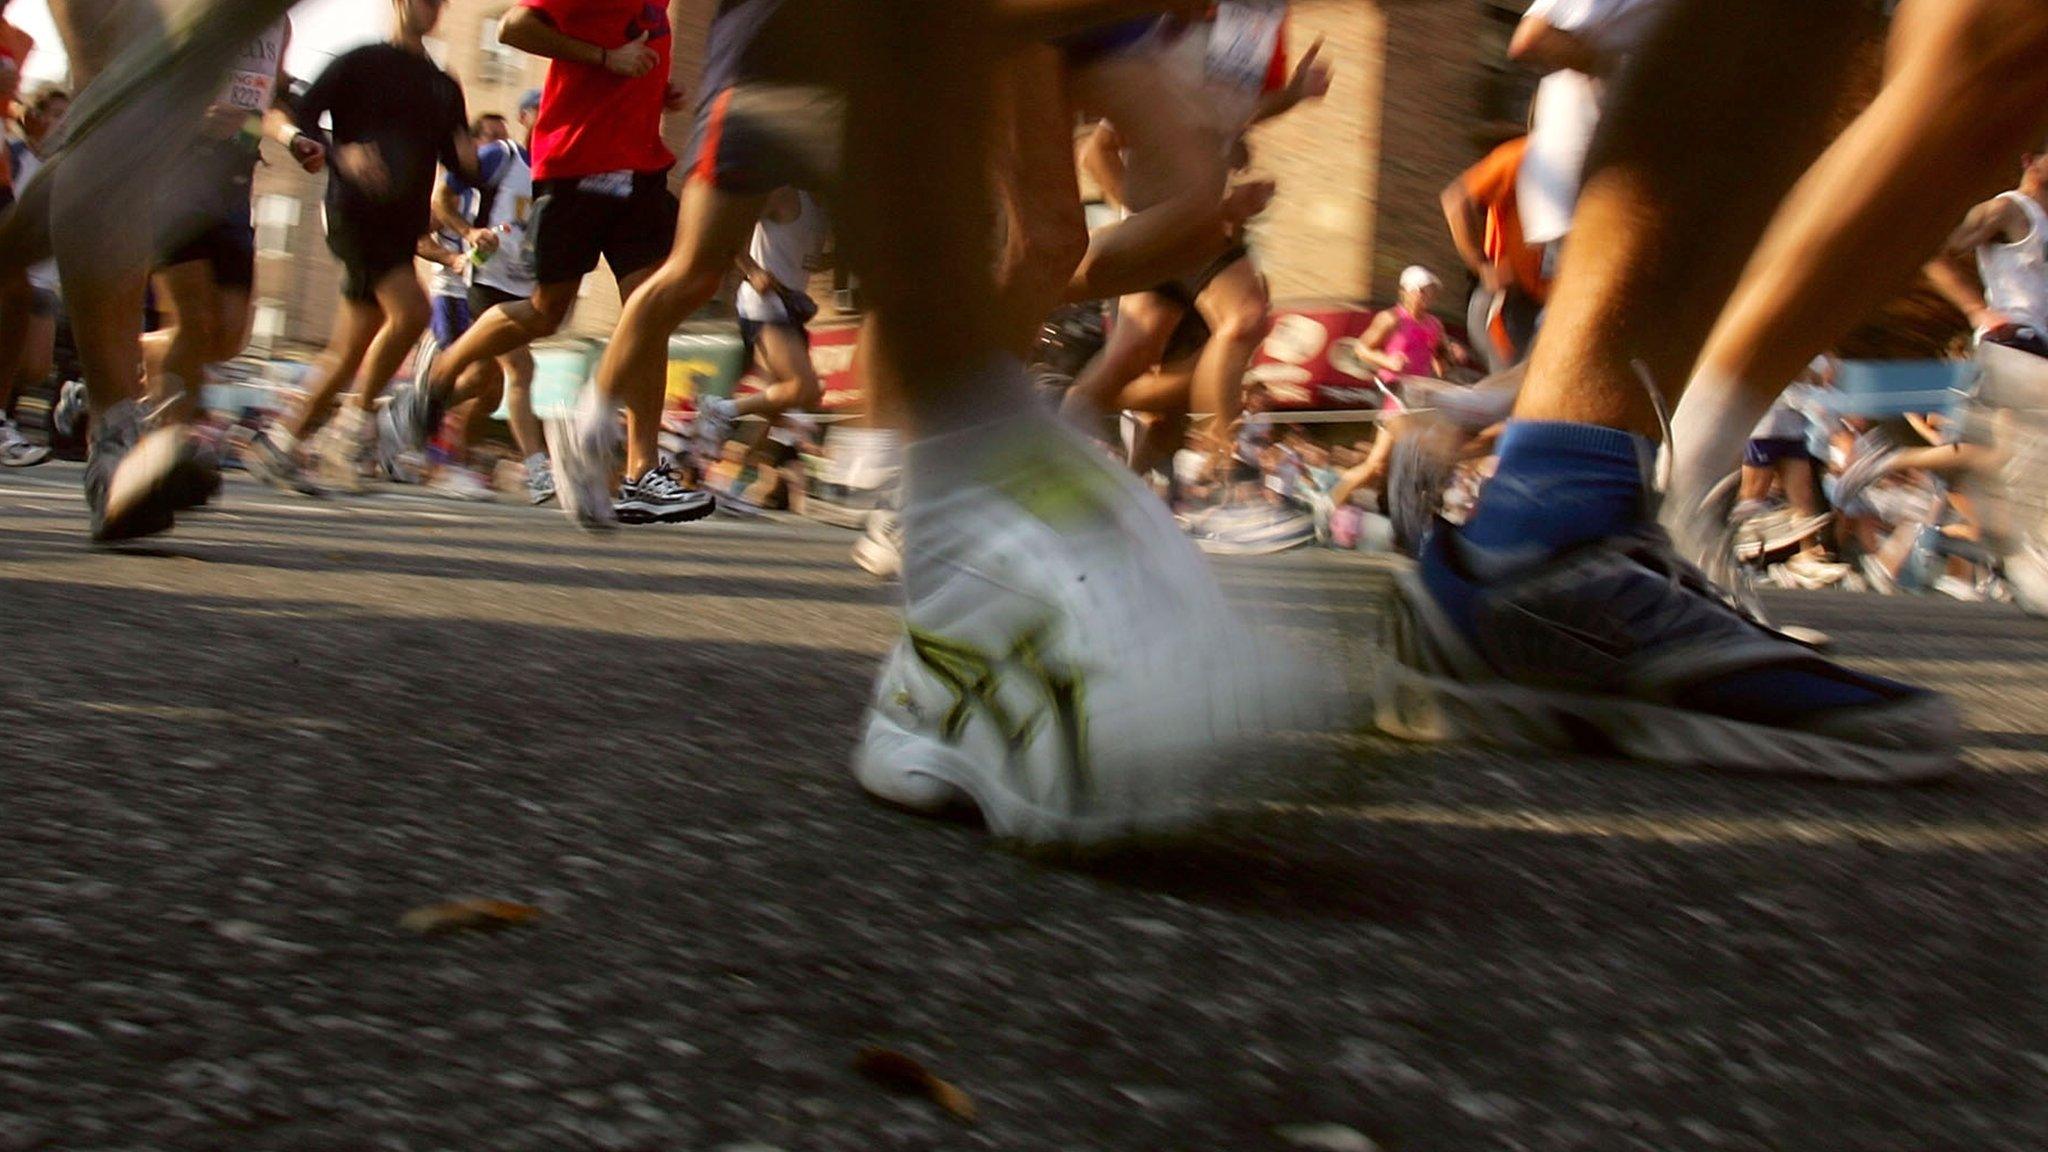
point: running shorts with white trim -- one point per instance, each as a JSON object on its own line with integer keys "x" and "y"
{"x": 627, "y": 219}
{"x": 755, "y": 137}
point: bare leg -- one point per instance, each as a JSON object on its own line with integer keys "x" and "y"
{"x": 1239, "y": 315}
{"x": 1177, "y": 178}
{"x": 177, "y": 356}
{"x": 526, "y": 433}
{"x": 1144, "y": 326}
{"x": 1966, "y": 95}
{"x": 17, "y": 303}
{"x": 1045, "y": 232}
{"x": 1670, "y": 209}
{"x": 502, "y": 331}
{"x": 788, "y": 362}
{"x": 355, "y": 326}
{"x": 406, "y": 315}
{"x": 712, "y": 229}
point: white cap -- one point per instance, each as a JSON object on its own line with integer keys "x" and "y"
{"x": 1415, "y": 278}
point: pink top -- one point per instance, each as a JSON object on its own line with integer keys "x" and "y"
{"x": 1415, "y": 341}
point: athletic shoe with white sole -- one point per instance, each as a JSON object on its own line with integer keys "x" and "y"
{"x": 879, "y": 551}
{"x": 278, "y": 465}
{"x": 16, "y": 451}
{"x": 713, "y": 428}
{"x": 1071, "y": 668}
{"x": 459, "y": 483}
{"x": 345, "y": 449}
{"x": 655, "y": 497}
{"x": 540, "y": 482}
{"x": 1254, "y": 529}
{"x": 1620, "y": 646}
{"x": 132, "y": 480}
{"x": 583, "y": 451}
{"x": 199, "y": 475}
{"x": 408, "y": 418}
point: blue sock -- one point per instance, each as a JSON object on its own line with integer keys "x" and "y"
{"x": 1560, "y": 484}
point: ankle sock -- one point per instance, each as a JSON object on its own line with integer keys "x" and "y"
{"x": 1558, "y": 485}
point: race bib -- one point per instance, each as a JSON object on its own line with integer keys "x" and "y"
{"x": 613, "y": 185}
{"x": 251, "y": 91}
{"x": 1242, "y": 42}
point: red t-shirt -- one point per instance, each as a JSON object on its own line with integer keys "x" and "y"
{"x": 591, "y": 121}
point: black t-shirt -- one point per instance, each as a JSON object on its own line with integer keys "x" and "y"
{"x": 412, "y": 111}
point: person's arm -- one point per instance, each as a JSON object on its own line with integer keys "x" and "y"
{"x": 1957, "y": 282}
{"x": 1372, "y": 345}
{"x": 1995, "y": 221}
{"x": 1543, "y": 46}
{"x": 533, "y": 32}
{"x": 307, "y": 151}
{"x": 301, "y": 117}
{"x": 1467, "y": 222}
{"x": 759, "y": 278}
{"x": 459, "y": 147}
{"x": 430, "y": 250}
{"x": 1311, "y": 81}
{"x": 1102, "y": 158}
{"x": 448, "y": 214}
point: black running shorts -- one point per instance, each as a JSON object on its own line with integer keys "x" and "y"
{"x": 628, "y": 220}
{"x": 228, "y": 248}
{"x": 370, "y": 244}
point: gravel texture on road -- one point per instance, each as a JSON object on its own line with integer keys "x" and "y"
{"x": 236, "y": 757}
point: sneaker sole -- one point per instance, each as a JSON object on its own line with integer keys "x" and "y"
{"x": 642, "y": 516}
{"x": 142, "y": 494}
{"x": 1414, "y": 705}
{"x": 891, "y": 755}
{"x": 878, "y": 560}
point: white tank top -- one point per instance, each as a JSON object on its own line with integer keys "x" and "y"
{"x": 511, "y": 268}
{"x": 780, "y": 246}
{"x": 2016, "y": 275}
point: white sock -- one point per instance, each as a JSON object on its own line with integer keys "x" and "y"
{"x": 536, "y": 463}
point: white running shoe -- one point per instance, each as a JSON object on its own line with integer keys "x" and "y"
{"x": 879, "y": 551}
{"x": 540, "y": 481}
{"x": 73, "y": 406}
{"x": 344, "y": 448}
{"x": 16, "y": 451}
{"x": 1071, "y": 668}
{"x": 583, "y": 451}
{"x": 459, "y": 483}
{"x": 655, "y": 497}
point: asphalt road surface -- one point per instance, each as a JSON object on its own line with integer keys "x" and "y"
{"x": 235, "y": 758}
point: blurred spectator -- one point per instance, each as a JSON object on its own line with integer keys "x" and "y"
{"x": 1484, "y": 214}
{"x": 1406, "y": 340}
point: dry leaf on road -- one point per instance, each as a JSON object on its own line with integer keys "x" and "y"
{"x": 900, "y": 1073}
{"x": 468, "y": 916}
